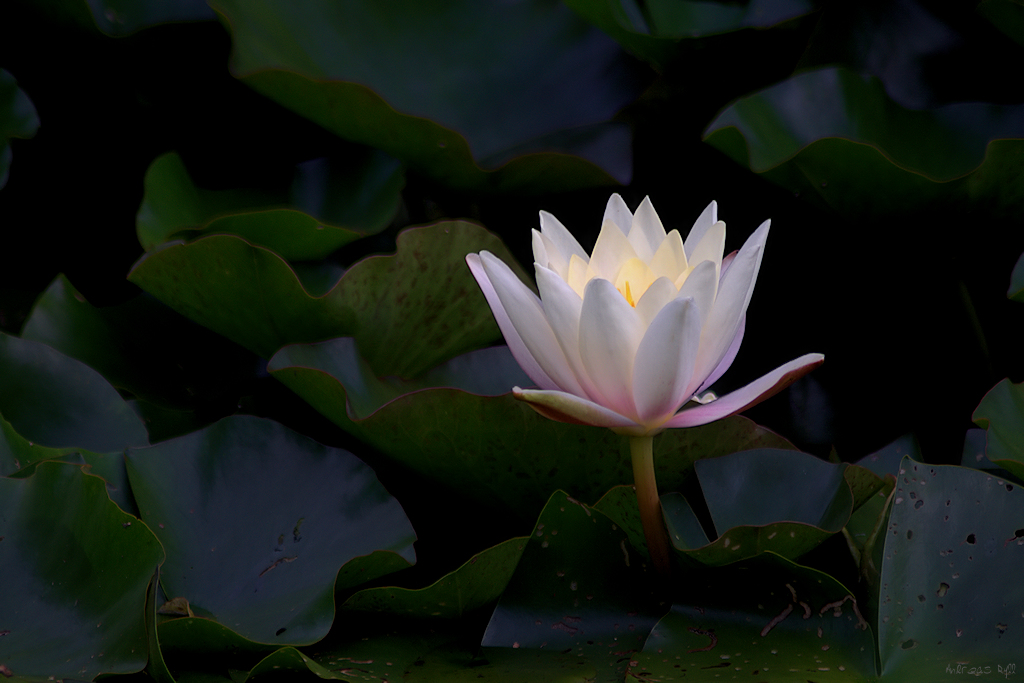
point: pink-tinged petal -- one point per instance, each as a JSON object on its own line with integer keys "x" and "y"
{"x": 664, "y": 360}
{"x": 646, "y": 233}
{"x": 726, "y": 363}
{"x": 611, "y": 251}
{"x": 562, "y": 309}
{"x": 726, "y": 262}
{"x": 711, "y": 246}
{"x": 515, "y": 343}
{"x": 701, "y": 285}
{"x": 654, "y": 299}
{"x": 563, "y": 407}
{"x": 610, "y": 333}
{"x": 748, "y": 396}
{"x": 560, "y": 237}
{"x": 707, "y": 218}
{"x": 526, "y": 314}
{"x": 734, "y": 291}
{"x": 618, "y": 213}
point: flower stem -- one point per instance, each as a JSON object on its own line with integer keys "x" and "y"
{"x": 642, "y": 450}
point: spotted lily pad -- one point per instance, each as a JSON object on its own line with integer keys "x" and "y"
{"x": 782, "y": 501}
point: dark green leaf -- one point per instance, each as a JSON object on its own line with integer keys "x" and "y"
{"x": 326, "y": 207}
{"x": 950, "y": 575}
{"x": 475, "y": 584}
{"x": 1016, "y": 291}
{"x": 408, "y": 311}
{"x": 74, "y": 570}
{"x": 764, "y": 619}
{"x": 578, "y": 587}
{"x": 491, "y": 447}
{"x": 1005, "y": 15}
{"x": 258, "y": 520}
{"x": 1001, "y": 412}
{"x": 18, "y": 119}
{"x": 786, "y": 502}
{"x": 526, "y": 78}
{"x": 694, "y": 18}
{"x": 836, "y": 134}
{"x": 59, "y": 402}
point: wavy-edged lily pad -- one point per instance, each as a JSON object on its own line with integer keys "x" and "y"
{"x": 782, "y": 501}
{"x": 18, "y": 119}
{"x": 260, "y": 523}
{"x": 527, "y": 78}
{"x": 329, "y": 205}
{"x": 478, "y": 582}
{"x": 74, "y": 570}
{"x": 409, "y": 311}
{"x": 56, "y": 401}
{"x": 459, "y": 427}
{"x": 1001, "y": 413}
{"x": 837, "y": 134}
{"x": 578, "y": 587}
{"x": 764, "y": 619}
{"x": 950, "y": 573}
{"x": 175, "y": 368}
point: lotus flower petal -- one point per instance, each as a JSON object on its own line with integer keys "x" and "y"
{"x": 610, "y": 332}
{"x": 526, "y": 315}
{"x": 748, "y": 396}
{"x": 664, "y": 361}
{"x": 564, "y": 407}
{"x": 628, "y": 336}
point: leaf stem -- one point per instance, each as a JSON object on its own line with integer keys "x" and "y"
{"x": 641, "y": 449}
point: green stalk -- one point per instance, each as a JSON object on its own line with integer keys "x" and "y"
{"x": 642, "y": 450}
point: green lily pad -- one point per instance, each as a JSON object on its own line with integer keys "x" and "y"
{"x": 75, "y": 570}
{"x": 458, "y": 427}
{"x": 578, "y": 587}
{"x": 1001, "y": 413}
{"x": 478, "y": 582}
{"x": 1016, "y": 291}
{"x": 17, "y": 452}
{"x": 18, "y": 119}
{"x": 835, "y": 134}
{"x": 424, "y": 652}
{"x": 1005, "y": 15}
{"x": 529, "y": 82}
{"x": 142, "y": 347}
{"x": 764, "y": 619}
{"x": 785, "y": 502}
{"x": 408, "y": 311}
{"x": 259, "y": 521}
{"x": 59, "y": 402}
{"x": 326, "y": 207}
{"x": 951, "y": 592}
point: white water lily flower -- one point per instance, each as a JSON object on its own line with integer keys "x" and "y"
{"x": 632, "y": 336}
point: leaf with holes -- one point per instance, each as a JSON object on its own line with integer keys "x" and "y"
{"x": 950, "y": 588}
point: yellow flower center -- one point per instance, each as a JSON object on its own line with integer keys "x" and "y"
{"x": 629, "y": 295}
